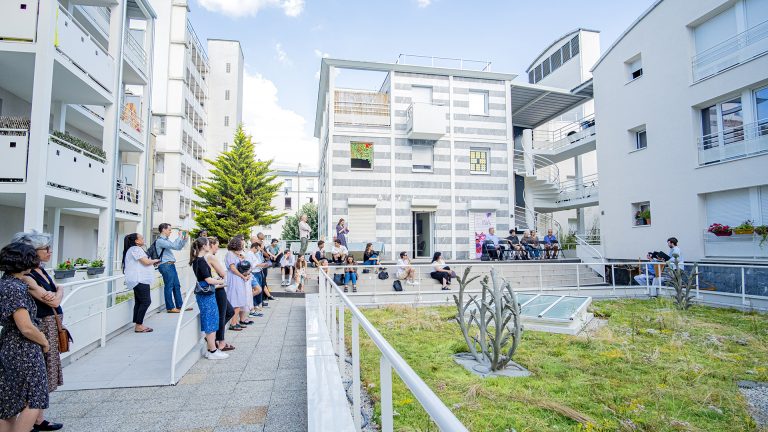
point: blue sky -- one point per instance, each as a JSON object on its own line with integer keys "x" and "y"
{"x": 283, "y": 41}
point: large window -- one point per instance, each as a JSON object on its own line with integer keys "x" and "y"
{"x": 478, "y": 102}
{"x": 478, "y": 161}
{"x": 422, "y": 158}
{"x": 226, "y": 94}
{"x": 288, "y": 203}
{"x": 288, "y": 185}
{"x": 726, "y": 117}
{"x": 554, "y": 61}
{"x": 229, "y": 67}
{"x": 361, "y": 155}
{"x": 226, "y": 120}
{"x": 159, "y": 125}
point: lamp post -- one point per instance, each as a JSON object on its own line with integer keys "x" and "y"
{"x": 298, "y": 170}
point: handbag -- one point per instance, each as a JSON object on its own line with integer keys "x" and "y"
{"x": 383, "y": 275}
{"x": 397, "y": 286}
{"x": 64, "y": 336}
{"x": 206, "y": 289}
{"x": 338, "y": 279}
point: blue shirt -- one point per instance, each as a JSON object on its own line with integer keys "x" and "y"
{"x": 493, "y": 238}
{"x": 167, "y": 247}
{"x": 650, "y": 270}
{"x": 549, "y": 239}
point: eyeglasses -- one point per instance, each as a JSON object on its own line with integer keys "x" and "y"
{"x": 44, "y": 248}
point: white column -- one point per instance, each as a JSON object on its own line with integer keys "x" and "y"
{"x": 527, "y": 144}
{"x": 55, "y": 230}
{"x": 393, "y": 211}
{"x": 510, "y": 155}
{"x": 37, "y": 159}
{"x": 579, "y": 175}
{"x": 329, "y": 151}
{"x": 59, "y": 116}
{"x": 454, "y": 251}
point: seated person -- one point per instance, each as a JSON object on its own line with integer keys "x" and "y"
{"x": 441, "y": 272}
{"x": 536, "y": 244}
{"x": 319, "y": 254}
{"x": 649, "y": 274}
{"x": 528, "y": 244}
{"x": 339, "y": 252}
{"x": 551, "y": 245}
{"x": 286, "y": 266}
{"x": 515, "y": 246}
{"x": 370, "y": 256}
{"x": 350, "y": 273}
{"x": 273, "y": 253}
{"x": 405, "y": 270}
{"x": 497, "y": 250}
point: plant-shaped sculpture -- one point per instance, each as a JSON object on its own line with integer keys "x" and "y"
{"x": 497, "y": 317}
{"x": 682, "y": 282}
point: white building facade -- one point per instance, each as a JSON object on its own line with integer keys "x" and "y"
{"x": 682, "y": 99}
{"x": 225, "y": 90}
{"x": 433, "y": 156}
{"x": 299, "y": 186}
{"x": 75, "y": 97}
{"x": 179, "y": 114}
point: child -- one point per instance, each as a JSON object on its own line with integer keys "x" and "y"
{"x": 350, "y": 273}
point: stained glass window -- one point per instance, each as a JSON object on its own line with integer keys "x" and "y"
{"x": 478, "y": 161}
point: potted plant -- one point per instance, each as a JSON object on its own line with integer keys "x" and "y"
{"x": 64, "y": 270}
{"x": 746, "y": 227}
{"x": 720, "y": 230}
{"x": 96, "y": 267}
{"x": 639, "y": 218}
{"x": 646, "y": 215}
{"x": 81, "y": 263}
{"x": 762, "y": 231}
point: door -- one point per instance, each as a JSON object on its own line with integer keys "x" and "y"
{"x": 423, "y": 234}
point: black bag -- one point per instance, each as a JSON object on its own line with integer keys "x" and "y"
{"x": 204, "y": 288}
{"x": 152, "y": 252}
{"x": 397, "y": 286}
{"x": 383, "y": 275}
{"x": 338, "y": 279}
{"x": 366, "y": 270}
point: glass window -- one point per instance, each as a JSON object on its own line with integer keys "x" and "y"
{"x": 715, "y": 30}
{"x": 478, "y": 102}
{"x": 158, "y": 125}
{"x": 574, "y": 45}
{"x": 226, "y": 94}
{"x": 226, "y": 120}
{"x": 635, "y": 68}
{"x": 478, "y": 161}
{"x": 530, "y": 77}
{"x": 555, "y": 60}
{"x": 709, "y": 121}
{"x": 732, "y": 121}
{"x": 288, "y": 185}
{"x": 287, "y": 203}
{"x": 226, "y": 146}
{"x": 545, "y": 70}
{"x": 566, "y": 51}
{"x": 641, "y": 140}
{"x": 761, "y": 100}
{"x": 422, "y": 157}
{"x": 229, "y": 67}
{"x": 361, "y": 155}
{"x": 537, "y": 72}
{"x": 159, "y": 163}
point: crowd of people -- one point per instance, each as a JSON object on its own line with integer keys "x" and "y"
{"x": 529, "y": 247}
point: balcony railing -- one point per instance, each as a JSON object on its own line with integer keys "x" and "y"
{"x": 444, "y": 62}
{"x": 365, "y": 108}
{"x": 135, "y": 53}
{"x": 734, "y": 51}
{"x": 127, "y": 193}
{"x": 83, "y": 50}
{"x": 742, "y": 141}
{"x": 576, "y": 189}
{"x": 131, "y": 122}
{"x": 735, "y": 246}
{"x": 14, "y": 143}
{"x": 99, "y": 16}
{"x": 17, "y": 24}
{"x": 426, "y": 121}
{"x": 564, "y": 136}
{"x": 74, "y": 169}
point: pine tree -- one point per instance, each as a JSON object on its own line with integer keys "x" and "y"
{"x": 238, "y": 194}
{"x": 291, "y": 227}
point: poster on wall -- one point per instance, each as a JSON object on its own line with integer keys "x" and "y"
{"x": 483, "y": 221}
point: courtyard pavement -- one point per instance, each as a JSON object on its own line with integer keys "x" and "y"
{"x": 262, "y": 386}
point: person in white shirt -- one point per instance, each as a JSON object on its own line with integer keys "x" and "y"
{"x": 286, "y": 266}
{"x": 139, "y": 272}
{"x": 405, "y": 270}
{"x": 674, "y": 249}
{"x": 304, "y": 232}
{"x": 339, "y": 252}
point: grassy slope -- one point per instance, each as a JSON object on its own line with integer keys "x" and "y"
{"x": 650, "y": 369}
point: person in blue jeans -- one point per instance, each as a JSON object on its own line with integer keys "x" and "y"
{"x": 167, "y": 267}
{"x": 350, "y": 273}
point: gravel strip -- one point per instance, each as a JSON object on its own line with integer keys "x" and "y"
{"x": 757, "y": 398}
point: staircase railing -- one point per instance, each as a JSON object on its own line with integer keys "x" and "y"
{"x": 535, "y": 165}
{"x": 532, "y": 219}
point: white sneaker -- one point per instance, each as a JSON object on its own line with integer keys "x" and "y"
{"x": 216, "y": 355}
{"x": 409, "y": 282}
{"x": 415, "y": 282}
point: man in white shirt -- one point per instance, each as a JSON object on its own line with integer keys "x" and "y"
{"x": 286, "y": 266}
{"x": 304, "y": 232}
{"x": 405, "y": 271}
{"x": 339, "y": 252}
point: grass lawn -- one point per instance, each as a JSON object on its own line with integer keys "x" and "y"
{"x": 651, "y": 368}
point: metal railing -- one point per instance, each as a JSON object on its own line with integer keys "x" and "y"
{"x": 736, "y": 50}
{"x": 443, "y": 62}
{"x": 80, "y": 26}
{"x": 532, "y": 219}
{"x": 199, "y": 56}
{"x": 564, "y": 136}
{"x": 127, "y": 193}
{"x": 132, "y": 117}
{"x": 581, "y": 188}
{"x": 99, "y": 16}
{"x": 135, "y": 52}
{"x": 333, "y": 305}
{"x": 535, "y": 165}
{"x": 362, "y": 107}
{"x": 733, "y": 143}
{"x": 183, "y": 328}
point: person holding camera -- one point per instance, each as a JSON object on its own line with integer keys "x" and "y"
{"x": 171, "y": 285}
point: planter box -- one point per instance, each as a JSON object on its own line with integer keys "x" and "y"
{"x": 744, "y": 231}
{"x": 723, "y": 234}
{"x": 95, "y": 271}
{"x": 63, "y": 274}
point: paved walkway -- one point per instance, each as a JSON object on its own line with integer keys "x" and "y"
{"x": 262, "y": 386}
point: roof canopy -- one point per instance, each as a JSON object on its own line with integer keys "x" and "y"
{"x": 533, "y": 104}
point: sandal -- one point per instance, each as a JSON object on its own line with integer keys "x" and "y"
{"x": 227, "y": 347}
{"x": 146, "y": 330}
{"x": 245, "y": 323}
{"x": 235, "y": 327}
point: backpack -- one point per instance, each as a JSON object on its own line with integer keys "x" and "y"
{"x": 152, "y": 252}
{"x": 397, "y": 286}
{"x": 383, "y": 275}
{"x": 338, "y": 279}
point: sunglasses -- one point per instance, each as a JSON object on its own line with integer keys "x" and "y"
{"x": 45, "y": 248}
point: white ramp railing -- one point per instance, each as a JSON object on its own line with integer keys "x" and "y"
{"x": 333, "y": 303}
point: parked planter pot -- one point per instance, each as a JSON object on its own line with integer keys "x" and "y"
{"x": 95, "y": 271}
{"x": 63, "y": 274}
{"x": 723, "y": 234}
{"x": 648, "y": 221}
{"x": 743, "y": 230}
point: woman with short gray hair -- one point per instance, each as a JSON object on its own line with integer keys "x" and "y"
{"x": 48, "y": 298}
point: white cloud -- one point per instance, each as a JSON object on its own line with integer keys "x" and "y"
{"x": 279, "y": 133}
{"x": 240, "y": 8}
{"x": 282, "y": 56}
{"x": 424, "y": 3}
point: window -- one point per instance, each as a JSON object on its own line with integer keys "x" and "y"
{"x": 287, "y": 203}
{"x": 478, "y": 102}
{"x": 159, "y": 125}
{"x": 422, "y": 158}
{"x": 641, "y": 213}
{"x": 226, "y": 94}
{"x": 229, "y": 67}
{"x": 159, "y": 163}
{"x": 555, "y": 60}
{"x": 545, "y": 70}
{"x": 566, "y": 51}
{"x": 537, "y": 73}
{"x": 726, "y": 117}
{"x": 635, "y": 67}
{"x": 422, "y": 94}
{"x": 361, "y": 155}
{"x": 226, "y": 146}
{"x": 641, "y": 141}
{"x": 309, "y": 185}
{"x": 530, "y": 76}
{"x": 478, "y": 161}
{"x": 311, "y": 200}
{"x": 574, "y": 45}
{"x": 761, "y": 102}
{"x": 226, "y": 120}
{"x": 288, "y": 185}
{"x": 715, "y": 30}
{"x": 157, "y": 201}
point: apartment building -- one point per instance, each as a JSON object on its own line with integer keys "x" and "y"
{"x": 75, "y": 98}
{"x": 682, "y": 99}
{"x": 299, "y": 186}
{"x": 225, "y": 102}
{"x": 433, "y": 155}
{"x": 179, "y": 114}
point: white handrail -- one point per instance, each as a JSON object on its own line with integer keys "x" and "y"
{"x": 85, "y": 284}
{"x": 174, "y": 353}
{"x": 440, "y": 414}
{"x": 586, "y": 244}
{"x": 545, "y": 218}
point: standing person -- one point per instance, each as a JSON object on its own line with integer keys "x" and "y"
{"x": 674, "y": 249}
{"x": 48, "y": 297}
{"x": 551, "y": 245}
{"x": 339, "y": 252}
{"x": 286, "y": 267}
{"x": 319, "y": 254}
{"x": 23, "y": 378}
{"x": 405, "y": 270}
{"x": 341, "y": 232}
{"x": 441, "y": 271}
{"x": 139, "y": 271}
{"x": 237, "y": 289}
{"x": 167, "y": 267}
{"x": 258, "y": 266}
{"x": 209, "y": 311}
{"x": 260, "y": 238}
{"x": 225, "y": 309}
{"x": 300, "y": 274}
{"x": 350, "y": 273}
{"x": 304, "y": 232}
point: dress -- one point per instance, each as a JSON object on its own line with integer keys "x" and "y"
{"x": 237, "y": 291}
{"x": 47, "y": 325}
{"x": 23, "y": 378}
{"x": 341, "y": 234}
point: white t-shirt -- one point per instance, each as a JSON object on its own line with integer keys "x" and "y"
{"x": 402, "y": 265}
{"x": 254, "y": 258}
{"x": 676, "y": 251}
{"x": 341, "y": 250}
{"x": 135, "y": 271}
{"x": 288, "y": 261}
{"x": 304, "y": 230}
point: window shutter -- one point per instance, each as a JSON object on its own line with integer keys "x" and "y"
{"x": 574, "y": 46}
{"x": 728, "y": 207}
{"x": 362, "y": 223}
{"x": 422, "y": 157}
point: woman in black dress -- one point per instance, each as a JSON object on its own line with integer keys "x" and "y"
{"x": 23, "y": 379}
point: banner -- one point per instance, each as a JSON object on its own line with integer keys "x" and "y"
{"x": 482, "y": 222}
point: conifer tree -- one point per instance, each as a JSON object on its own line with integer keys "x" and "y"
{"x": 238, "y": 194}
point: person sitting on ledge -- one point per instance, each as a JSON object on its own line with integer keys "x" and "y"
{"x": 441, "y": 272}
{"x": 551, "y": 245}
{"x": 515, "y": 246}
{"x": 339, "y": 252}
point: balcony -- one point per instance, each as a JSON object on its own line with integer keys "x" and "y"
{"x": 132, "y": 125}
{"x": 735, "y": 246}
{"x": 14, "y": 143}
{"x": 136, "y": 59}
{"x": 76, "y": 170}
{"x": 128, "y": 199}
{"x": 750, "y": 139}
{"x": 427, "y": 121}
{"x": 96, "y": 17}
{"x": 732, "y": 52}
{"x": 567, "y": 141}
{"x": 88, "y": 55}
{"x": 361, "y": 108}
{"x": 18, "y": 21}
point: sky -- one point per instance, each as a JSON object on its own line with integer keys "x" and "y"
{"x": 283, "y": 42}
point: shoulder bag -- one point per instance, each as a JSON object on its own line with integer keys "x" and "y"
{"x": 204, "y": 288}
{"x": 64, "y": 336}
